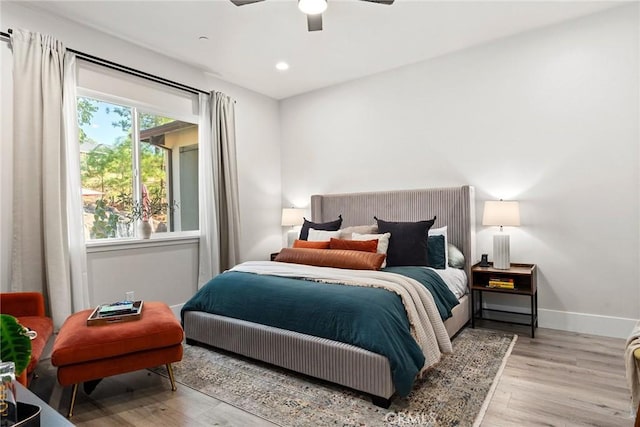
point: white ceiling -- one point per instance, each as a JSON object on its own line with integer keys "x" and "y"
{"x": 359, "y": 38}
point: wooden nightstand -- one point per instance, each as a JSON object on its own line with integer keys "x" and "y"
{"x": 525, "y": 284}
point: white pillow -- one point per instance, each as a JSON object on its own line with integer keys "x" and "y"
{"x": 322, "y": 236}
{"x": 442, "y": 231}
{"x": 383, "y": 242}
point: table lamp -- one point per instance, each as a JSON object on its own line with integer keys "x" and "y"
{"x": 501, "y": 213}
{"x": 292, "y": 217}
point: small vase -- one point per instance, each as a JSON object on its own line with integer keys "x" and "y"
{"x": 145, "y": 229}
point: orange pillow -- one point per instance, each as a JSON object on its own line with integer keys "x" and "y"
{"x": 338, "y": 258}
{"x": 354, "y": 245}
{"x": 310, "y": 245}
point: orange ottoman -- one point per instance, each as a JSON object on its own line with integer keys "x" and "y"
{"x": 84, "y": 353}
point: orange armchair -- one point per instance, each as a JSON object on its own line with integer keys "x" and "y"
{"x": 28, "y": 308}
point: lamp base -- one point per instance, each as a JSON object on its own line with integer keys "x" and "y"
{"x": 501, "y": 251}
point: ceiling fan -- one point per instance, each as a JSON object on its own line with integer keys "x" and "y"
{"x": 312, "y": 8}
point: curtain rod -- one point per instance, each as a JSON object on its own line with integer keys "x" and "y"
{"x": 124, "y": 69}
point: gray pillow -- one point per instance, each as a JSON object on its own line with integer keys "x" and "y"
{"x": 347, "y": 232}
{"x": 456, "y": 258}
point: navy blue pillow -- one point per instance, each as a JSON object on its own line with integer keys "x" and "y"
{"x": 408, "y": 243}
{"x": 436, "y": 252}
{"x": 326, "y": 226}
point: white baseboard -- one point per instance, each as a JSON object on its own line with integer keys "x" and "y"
{"x": 593, "y": 324}
{"x": 176, "y": 309}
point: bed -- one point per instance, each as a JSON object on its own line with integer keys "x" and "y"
{"x": 330, "y": 360}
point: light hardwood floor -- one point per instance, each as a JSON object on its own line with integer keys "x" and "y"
{"x": 562, "y": 379}
{"x": 557, "y": 379}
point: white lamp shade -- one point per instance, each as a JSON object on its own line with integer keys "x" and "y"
{"x": 292, "y": 217}
{"x": 312, "y": 7}
{"x": 501, "y": 213}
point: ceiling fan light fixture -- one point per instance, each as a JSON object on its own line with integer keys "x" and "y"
{"x": 312, "y": 7}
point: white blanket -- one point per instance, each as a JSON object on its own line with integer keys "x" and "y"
{"x": 633, "y": 366}
{"x": 427, "y": 327}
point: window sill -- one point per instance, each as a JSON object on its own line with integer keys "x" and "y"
{"x": 159, "y": 239}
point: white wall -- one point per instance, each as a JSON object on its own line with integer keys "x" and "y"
{"x": 145, "y": 271}
{"x": 548, "y": 117}
{"x": 257, "y": 131}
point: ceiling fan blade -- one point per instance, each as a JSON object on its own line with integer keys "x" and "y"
{"x": 314, "y": 22}
{"x": 380, "y": 1}
{"x": 243, "y": 2}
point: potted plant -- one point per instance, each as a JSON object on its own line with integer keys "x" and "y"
{"x": 15, "y": 354}
{"x": 143, "y": 211}
{"x": 15, "y": 343}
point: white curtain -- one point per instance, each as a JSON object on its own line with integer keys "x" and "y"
{"x": 209, "y": 264}
{"x": 40, "y": 256}
{"x": 218, "y": 181}
{"x": 224, "y": 117}
{"x": 75, "y": 220}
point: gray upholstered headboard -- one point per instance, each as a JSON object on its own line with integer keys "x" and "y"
{"x": 453, "y": 207}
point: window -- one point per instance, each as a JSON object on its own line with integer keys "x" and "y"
{"x": 136, "y": 166}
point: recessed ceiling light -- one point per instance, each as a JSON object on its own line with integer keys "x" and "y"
{"x": 312, "y": 7}
{"x": 282, "y": 66}
{"x": 203, "y": 38}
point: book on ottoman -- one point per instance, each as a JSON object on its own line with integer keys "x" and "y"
{"x": 115, "y": 313}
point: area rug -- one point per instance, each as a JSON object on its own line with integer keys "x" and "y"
{"x": 455, "y": 393}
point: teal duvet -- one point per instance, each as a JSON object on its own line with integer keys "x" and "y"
{"x": 371, "y": 318}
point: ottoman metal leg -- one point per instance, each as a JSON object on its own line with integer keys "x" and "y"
{"x": 173, "y": 381}
{"x": 74, "y": 392}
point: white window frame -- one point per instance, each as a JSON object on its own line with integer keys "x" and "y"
{"x": 158, "y": 239}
